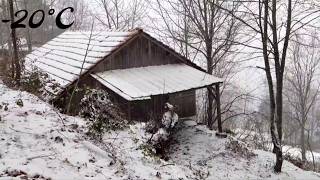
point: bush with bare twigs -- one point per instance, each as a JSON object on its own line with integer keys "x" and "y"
{"x": 101, "y": 113}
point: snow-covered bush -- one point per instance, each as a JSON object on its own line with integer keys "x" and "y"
{"x": 161, "y": 133}
{"x": 297, "y": 161}
{"x": 39, "y": 83}
{"x": 239, "y": 148}
{"x": 168, "y": 122}
{"x": 31, "y": 81}
{"x": 101, "y": 113}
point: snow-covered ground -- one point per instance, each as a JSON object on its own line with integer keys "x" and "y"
{"x": 37, "y": 142}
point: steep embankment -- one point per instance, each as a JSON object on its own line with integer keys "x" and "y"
{"x": 38, "y": 142}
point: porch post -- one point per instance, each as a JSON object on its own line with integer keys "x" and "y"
{"x": 218, "y": 107}
{"x": 129, "y": 110}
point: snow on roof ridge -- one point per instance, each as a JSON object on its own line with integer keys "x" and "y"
{"x": 107, "y": 31}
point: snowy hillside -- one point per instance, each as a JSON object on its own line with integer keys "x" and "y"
{"x": 37, "y": 142}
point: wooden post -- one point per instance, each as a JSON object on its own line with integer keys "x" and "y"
{"x": 210, "y": 107}
{"x": 129, "y": 111}
{"x": 218, "y": 108}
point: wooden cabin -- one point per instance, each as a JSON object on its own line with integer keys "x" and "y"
{"x": 140, "y": 72}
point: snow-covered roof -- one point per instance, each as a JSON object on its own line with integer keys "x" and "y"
{"x": 62, "y": 57}
{"x": 68, "y": 56}
{"x": 144, "y": 82}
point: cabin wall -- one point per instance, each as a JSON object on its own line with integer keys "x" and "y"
{"x": 144, "y": 110}
{"x": 139, "y": 53}
{"x": 185, "y": 102}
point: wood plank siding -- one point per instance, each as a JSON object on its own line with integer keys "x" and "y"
{"x": 143, "y": 110}
{"x": 140, "y": 53}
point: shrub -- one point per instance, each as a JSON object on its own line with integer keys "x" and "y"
{"x": 239, "y": 148}
{"x": 31, "y": 81}
{"x": 34, "y": 81}
{"x": 39, "y": 83}
{"x": 162, "y": 131}
{"x": 101, "y": 113}
{"x": 305, "y": 165}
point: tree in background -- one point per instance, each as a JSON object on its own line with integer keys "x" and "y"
{"x": 303, "y": 84}
{"x": 16, "y": 68}
{"x": 81, "y": 17}
{"x": 121, "y": 14}
{"x": 22, "y": 40}
{"x": 274, "y": 22}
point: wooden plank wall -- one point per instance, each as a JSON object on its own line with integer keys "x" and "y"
{"x": 185, "y": 102}
{"x": 140, "y": 53}
{"x": 145, "y": 109}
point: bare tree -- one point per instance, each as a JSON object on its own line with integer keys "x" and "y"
{"x": 28, "y": 32}
{"x": 16, "y": 64}
{"x": 121, "y": 14}
{"x": 5, "y": 29}
{"x": 303, "y": 87}
{"x": 265, "y": 18}
{"x": 201, "y": 30}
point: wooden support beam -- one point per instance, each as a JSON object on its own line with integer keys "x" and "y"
{"x": 219, "y": 134}
{"x": 210, "y": 107}
{"x": 129, "y": 111}
{"x": 218, "y": 107}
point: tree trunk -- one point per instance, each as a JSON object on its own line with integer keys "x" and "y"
{"x": 302, "y": 143}
{"x": 210, "y": 89}
{"x": 17, "y": 68}
{"x": 28, "y": 33}
{"x": 275, "y": 102}
{"x": 210, "y": 108}
{"x": 279, "y": 159}
{"x": 278, "y": 146}
{"x": 5, "y": 13}
{"x": 218, "y": 108}
{"x": 29, "y": 39}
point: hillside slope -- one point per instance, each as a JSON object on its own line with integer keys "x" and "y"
{"x": 37, "y": 142}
